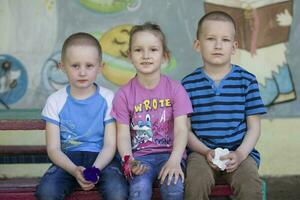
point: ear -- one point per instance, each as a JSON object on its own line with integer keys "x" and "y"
{"x": 234, "y": 47}
{"x": 61, "y": 66}
{"x": 101, "y": 66}
{"x": 167, "y": 57}
{"x": 128, "y": 54}
{"x": 197, "y": 46}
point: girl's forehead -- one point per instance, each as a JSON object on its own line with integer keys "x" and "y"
{"x": 146, "y": 36}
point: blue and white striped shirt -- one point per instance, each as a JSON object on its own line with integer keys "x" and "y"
{"x": 219, "y": 112}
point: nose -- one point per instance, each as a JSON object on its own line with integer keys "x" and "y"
{"x": 145, "y": 54}
{"x": 82, "y": 71}
{"x": 218, "y": 44}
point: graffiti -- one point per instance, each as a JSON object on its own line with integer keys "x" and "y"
{"x": 13, "y": 80}
{"x": 267, "y": 48}
{"x": 52, "y": 77}
{"x": 111, "y": 6}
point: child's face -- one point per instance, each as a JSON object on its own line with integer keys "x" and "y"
{"x": 81, "y": 64}
{"x": 146, "y": 52}
{"x": 216, "y": 43}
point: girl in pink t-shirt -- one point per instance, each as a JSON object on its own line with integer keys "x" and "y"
{"x": 151, "y": 113}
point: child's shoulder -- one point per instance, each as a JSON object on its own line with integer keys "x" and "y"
{"x": 243, "y": 73}
{"x": 195, "y": 74}
{"x": 59, "y": 94}
{"x": 105, "y": 91}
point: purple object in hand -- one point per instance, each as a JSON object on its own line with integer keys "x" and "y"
{"x": 91, "y": 174}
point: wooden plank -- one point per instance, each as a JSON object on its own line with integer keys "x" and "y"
{"x": 27, "y": 186}
{"x": 35, "y": 124}
{"x": 22, "y": 149}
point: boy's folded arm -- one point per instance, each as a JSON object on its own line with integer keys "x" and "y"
{"x": 109, "y": 146}
{"x": 54, "y": 149}
{"x": 194, "y": 143}
{"x": 251, "y": 137}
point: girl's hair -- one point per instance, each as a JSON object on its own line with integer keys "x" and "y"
{"x": 215, "y": 16}
{"x": 153, "y": 28}
{"x": 81, "y": 38}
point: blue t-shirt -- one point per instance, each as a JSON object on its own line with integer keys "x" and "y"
{"x": 220, "y": 111}
{"x": 81, "y": 122}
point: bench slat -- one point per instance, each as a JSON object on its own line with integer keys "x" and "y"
{"x": 23, "y": 149}
{"x": 35, "y": 124}
{"x": 27, "y": 186}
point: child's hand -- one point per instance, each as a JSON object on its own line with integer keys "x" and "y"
{"x": 210, "y": 154}
{"x": 234, "y": 160}
{"x": 84, "y": 184}
{"x": 170, "y": 169}
{"x": 132, "y": 167}
{"x": 137, "y": 168}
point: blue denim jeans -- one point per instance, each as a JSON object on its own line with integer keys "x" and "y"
{"x": 57, "y": 183}
{"x": 141, "y": 186}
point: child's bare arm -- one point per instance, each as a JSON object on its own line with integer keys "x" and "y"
{"x": 249, "y": 142}
{"x": 109, "y": 147}
{"x": 172, "y": 166}
{"x": 123, "y": 140}
{"x": 60, "y": 159}
{"x": 124, "y": 148}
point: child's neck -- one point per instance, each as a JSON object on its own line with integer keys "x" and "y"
{"x": 217, "y": 73}
{"x": 148, "y": 81}
{"x": 82, "y": 93}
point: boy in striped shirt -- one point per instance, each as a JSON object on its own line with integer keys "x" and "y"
{"x": 227, "y": 108}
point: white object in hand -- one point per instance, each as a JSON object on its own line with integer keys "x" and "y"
{"x": 216, "y": 160}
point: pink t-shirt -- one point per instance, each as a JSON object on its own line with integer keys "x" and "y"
{"x": 150, "y": 113}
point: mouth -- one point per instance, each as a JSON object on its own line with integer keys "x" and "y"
{"x": 146, "y": 63}
{"x": 82, "y": 81}
{"x": 217, "y": 54}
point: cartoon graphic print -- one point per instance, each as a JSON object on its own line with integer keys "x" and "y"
{"x": 69, "y": 135}
{"x": 143, "y": 132}
{"x": 161, "y": 129}
{"x": 151, "y": 124}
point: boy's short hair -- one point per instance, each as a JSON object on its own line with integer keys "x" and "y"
{"x": 81, "y": 38}
{"x": 216, "y": 16}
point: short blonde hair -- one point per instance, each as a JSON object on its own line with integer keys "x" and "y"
{"x": 81, "y": 38}
{"x": 216, "y": 16}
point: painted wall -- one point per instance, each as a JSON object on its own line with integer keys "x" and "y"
{"x": 32, "y": 33}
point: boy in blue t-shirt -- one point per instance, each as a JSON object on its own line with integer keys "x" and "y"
{"x": 80, "y": 133}
{"x": 227, "y": 105}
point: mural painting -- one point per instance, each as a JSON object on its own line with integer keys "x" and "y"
{"x": 35, "y": 30}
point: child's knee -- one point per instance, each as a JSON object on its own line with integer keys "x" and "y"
{"x": 173, "y": 190}
{"x": 140, "y": 188}
{"x": 46, "y": 192}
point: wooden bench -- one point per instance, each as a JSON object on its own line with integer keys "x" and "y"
{"x": 24, "y": 188}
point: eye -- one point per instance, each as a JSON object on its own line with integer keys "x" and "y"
{"x": 226, "y": 40}
{"x": 137, "y": 50}
{"x": 75, "y": 66}
{"x": 154, "y": 49}
{"x": 89, "y": 65}
{"x": 210, "y": 38}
